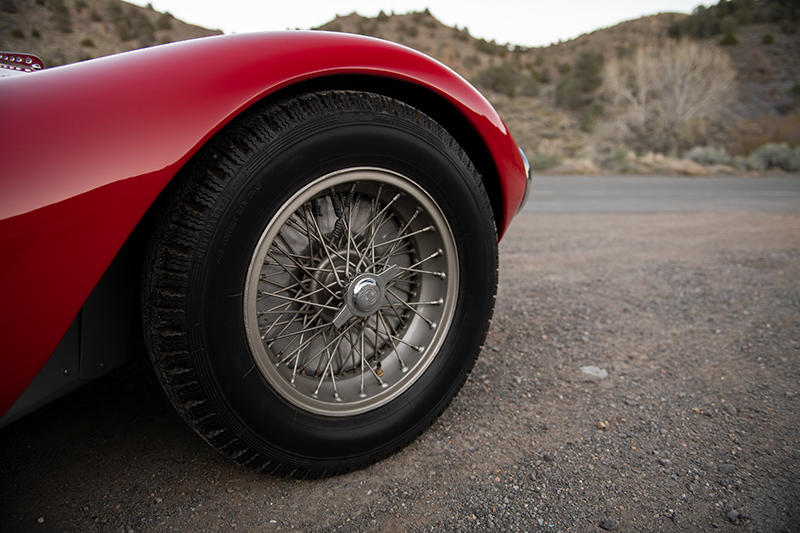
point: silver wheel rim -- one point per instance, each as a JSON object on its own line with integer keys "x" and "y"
{"x": 350, "y": 291}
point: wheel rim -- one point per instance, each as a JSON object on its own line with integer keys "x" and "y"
{"x": 350, "y": 291}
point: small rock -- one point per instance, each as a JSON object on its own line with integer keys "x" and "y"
{"x": 592, "y": 372}
{"x": 664, "y": 461}
{"x": 541, "y": 521}
{"x": 726, "y": 468}
{"x": 602, "y": 425}
{"x": 733, "y": 515}
{"x": 40, "y": 520}
{"x": 609, "y": 524}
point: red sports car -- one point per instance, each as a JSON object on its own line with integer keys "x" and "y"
{"x": 301, "y": 227}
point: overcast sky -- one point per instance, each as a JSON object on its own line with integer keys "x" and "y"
{"x": 528, "y": 23}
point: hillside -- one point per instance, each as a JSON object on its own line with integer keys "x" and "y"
{"x": 556, "y": 99}
{"x": 66, "y": 31}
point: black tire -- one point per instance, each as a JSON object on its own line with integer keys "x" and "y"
{"x": 203, "y": 263}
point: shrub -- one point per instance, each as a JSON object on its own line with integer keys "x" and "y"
{"x": 775, "y": 155}
{"x": 17, "y": 33}
{"x": 529, "y": 87}
{"x": 540, "y": 161}
{"x": 729, "y": 39}
{"x": 500, "y": 78}
{"x": 408, "y": 29}
{"x": 590, "y": 115}
{"x": 61, "y": 16}
{"x": 94, "y": 16}
{"x": 35, "y": 33}
{"x": 80, "y": 5}
{"x": 472, "y": 60}
{"x": 164, "y": 21}
{"x": 581, "y": 80}
{"x": 768, "y": 38}
{"x": 87, "y": 42}
{"x": 382, "y": 17}
{"x": 795, "y": 89}
{"x": 709, "y": 155}
{"x": 8, "y": 6}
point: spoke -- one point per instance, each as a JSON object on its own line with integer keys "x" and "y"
{"x": 326, "y": 346}
{"x": 394, "y": 346}
{"x": 430, "y": 323}
{"x": 325, "y": 247}
{"x": 304, "y": 269}
{"x": 298, "y": 300}
{"x": 400, "y": 238}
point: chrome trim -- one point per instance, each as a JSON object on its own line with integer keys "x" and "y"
{"x": 528, "y": 180}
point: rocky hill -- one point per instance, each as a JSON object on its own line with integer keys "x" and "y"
{"x": 66, "y": 31}
{"x": 556, "y": 99}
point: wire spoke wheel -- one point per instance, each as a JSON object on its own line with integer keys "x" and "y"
{"x": 350, "y": 291}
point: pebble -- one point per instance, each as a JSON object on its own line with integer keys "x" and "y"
{"x": 664, "y": 461}
{"x": 726, "y": 468}
{"x": 609, "y": 524}
{"x": 592, "y": 372}
{"x": 733, "y": 515}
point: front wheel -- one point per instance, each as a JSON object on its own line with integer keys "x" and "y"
{"x": 321, "y": 282}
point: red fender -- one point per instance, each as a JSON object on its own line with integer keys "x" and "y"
{"x": 88, "y": 147}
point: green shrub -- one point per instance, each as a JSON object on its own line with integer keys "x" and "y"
{"x": 500, "y": 78}
{"x": 540, "y": 161}
{"x": 382, "y": 17}
{"x": 35, "y": 33}
{"x": 87, "y": 42}
{"x": 729, "y": 39}
{"x": 768, "y": 38}
{"x": 17, "y": 33}
{"x": 774, "y": 155}
{"x": 709, "y": 155}
{"x": 80, "y": 5}
{"x": 796, "y": 89}
{"x": 590, "y": 115}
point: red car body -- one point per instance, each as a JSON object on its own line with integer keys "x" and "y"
{"x": 88, "y": 148}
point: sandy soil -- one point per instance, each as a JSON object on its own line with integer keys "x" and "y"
{"x": 695, "y": 318}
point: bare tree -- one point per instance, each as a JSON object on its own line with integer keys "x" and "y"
{"x": 665, "y": 96}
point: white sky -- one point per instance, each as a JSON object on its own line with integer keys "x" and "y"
{"x": 528, "y": 23}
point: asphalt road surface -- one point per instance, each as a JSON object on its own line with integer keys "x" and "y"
{"x": 684, "y": 293}
{"x": 655, "y": 194}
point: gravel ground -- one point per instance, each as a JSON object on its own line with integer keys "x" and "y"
{"x": 690, "y": 420}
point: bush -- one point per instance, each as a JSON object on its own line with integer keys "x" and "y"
{"x": 35, "y": 33}
{"x": 472, "y": 60}
{"x": 164, "y": 21}
{"x": 529, "y": 87}
{"x": 61, "y": 16}
{"x": 408, "y": 29}
{"x": 582, "y": 79}
{"x": 709, "y": 155}
{"x": 729, "y": 39}
{"x": 80, "y": 5}
{"x": 94, "y": 16}
{"x": 500, "y": 78}
{"x": 796, "y": 89}
{"x": 540, "y": 161}
{"x": 8, "y": 6}
{"x": 382, "y": 17}
{"x": 17, "y": 33}
{"x": 87, "y": 42}
{"x": 590, "y": 115}
{"x": 775, "y": 155}
{"x": 768, "y": 38}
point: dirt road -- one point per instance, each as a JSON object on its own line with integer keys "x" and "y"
{"x": 693, "y": 317}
